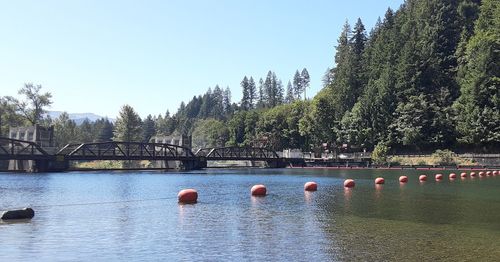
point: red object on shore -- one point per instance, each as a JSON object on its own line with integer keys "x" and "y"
{"x": 472, "y": 174}
{"x": 349, "y": 183}
{"x": 403, "y": 179}
{"x": 379, "y": 180}
{"x": 258, "y": 190}
{"x": 452, "y": 176}
{"x": 463, "y": 175}
{"x": 422, "y": 178}
{"x": 187, "y": 196}
{"x": 310, "y": 186}
{"x": 481, "y": 174}
{"x": 439, "y": 176}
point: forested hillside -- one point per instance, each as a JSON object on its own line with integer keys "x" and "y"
{"x": 425, "y": 77}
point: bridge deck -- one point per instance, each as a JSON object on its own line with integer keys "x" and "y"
{"x": 12, "y": 149}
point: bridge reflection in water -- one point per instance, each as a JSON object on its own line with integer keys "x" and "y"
{"x": 41, "y": 161}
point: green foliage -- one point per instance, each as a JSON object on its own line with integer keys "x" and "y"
{"x": 104, "y": 130}
{"x": 379, "y": 154}
{"x": 148, "y": 128}
{"x": 478, "y": 107}
{"x": 444, "y": 157}
{"x": 65, "y": 131}
{"x": 128, "y": 127}
{"x": 425, "y": 77}
{"x": 245, "y": 99}
{"x": 318, "y": 124}
{"x": 289, "y": 93}
{"x": 8, "y": 116}
{"x": 34, "y": 106}
{"x": 280, "y": 125}
{"x": 210, "y": 133}
{"x": 165, "y": 125}
{"x": 236, "y": 128}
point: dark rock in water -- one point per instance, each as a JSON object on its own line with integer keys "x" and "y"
{"x": 25, "y": 213}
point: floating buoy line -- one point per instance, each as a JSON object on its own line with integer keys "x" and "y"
{"x": 190, "y": 196}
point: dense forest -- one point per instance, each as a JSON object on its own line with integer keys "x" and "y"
{"x": 425, "y": 77}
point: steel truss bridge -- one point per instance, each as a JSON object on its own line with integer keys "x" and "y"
{"x": 13, "y": 149}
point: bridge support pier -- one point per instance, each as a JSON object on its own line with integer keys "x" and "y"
{"x": 40, "y": 165}
{"x": 51, "y": 165}
{"x": 187, "y": 165}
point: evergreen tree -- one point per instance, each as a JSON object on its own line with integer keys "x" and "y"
{"x": 327, "y": 77}
{"x": 479, "y": 103}
{"x": 358, "y": 39}
{"x": 226, "y": 102}
{"x": 273, "y": 88}
{"x": 342, "y": 88}
{"x": 86, "y": 131}
{"x": 280, "y": 92}
{"x": 149, "y": 129}
{"x": 297, "y": 85}
{"x": 262, "y": 96}
{"x": 65, "y": 131}
{"x": 358, "y": 42}
{"x": 305, "y": 79}
{"x": 105, "y": 131}
{"x": 252, "y": 93}
{"x": 289, "y": 93}
{"x": 128, "y": 127}
{"x": 245, "y": 100}
{"x": 468, "y": 11}
{"x": 217, "y": 105}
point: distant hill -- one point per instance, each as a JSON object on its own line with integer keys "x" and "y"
{"x": 78, "y": 117}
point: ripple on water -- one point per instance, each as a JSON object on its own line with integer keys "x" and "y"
{"x": 135, "y": 216}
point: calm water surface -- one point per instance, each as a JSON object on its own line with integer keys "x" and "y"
{"x": 135, "y": 216}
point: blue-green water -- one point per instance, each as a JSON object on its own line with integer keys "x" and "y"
{"x": 132, "y": 216}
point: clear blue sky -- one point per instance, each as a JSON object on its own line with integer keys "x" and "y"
{"x": 95, "y": 56}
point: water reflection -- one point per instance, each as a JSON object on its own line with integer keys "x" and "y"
{"x": 378, "y": 189}
{"x": 308, "y": 196}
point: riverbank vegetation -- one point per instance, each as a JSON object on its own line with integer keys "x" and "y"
{"x": 424, "y": 78}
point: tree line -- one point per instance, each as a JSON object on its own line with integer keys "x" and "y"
{"x": 425, "y": 77}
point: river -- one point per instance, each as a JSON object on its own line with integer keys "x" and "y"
{"x": 109, "y": 216}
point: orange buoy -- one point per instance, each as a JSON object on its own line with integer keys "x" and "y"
{"x": 452, "y": 176}
{"x": 349, "y": 183}
{"x": 379, "y": 180}
{"x": 495, "y": 173}
{"x": 403, "y": 179}
{"x": 472, "y": 174}
{"x": 422, "y": 178}
{"x": 463, "y": 175}
{"x": 310, "y": 186}
{"x": 258, "y": 190}
{"x": 439, "y": 176}
{"x": 481, "y": 174}
{"x": 188, "y": 196}
{"x": 488, "y": 173}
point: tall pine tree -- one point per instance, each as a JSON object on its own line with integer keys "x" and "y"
{"x": 479, "y": 103}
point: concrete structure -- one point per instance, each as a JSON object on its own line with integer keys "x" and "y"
{"x": 43, "y": 136}
{"x": 182, "y": 140}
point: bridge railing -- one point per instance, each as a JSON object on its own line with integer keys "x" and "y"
{"x": 246, "y": 153}
{"x": 125, "y": 150}
{"x": 19, "y": 149}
